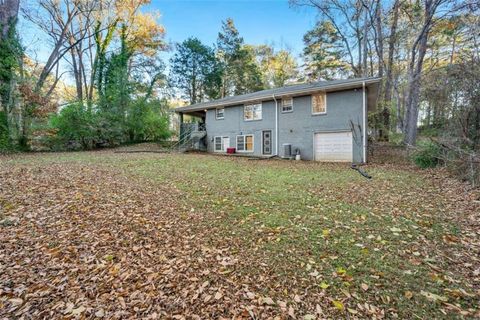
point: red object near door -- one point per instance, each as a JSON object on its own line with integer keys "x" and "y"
{"x": 230, "y": 150}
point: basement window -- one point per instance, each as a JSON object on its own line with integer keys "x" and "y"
{"x": 245, "y": 143}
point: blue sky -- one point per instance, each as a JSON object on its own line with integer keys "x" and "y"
{"x": 267, "y": 21}
{"x": 272, "y": 22}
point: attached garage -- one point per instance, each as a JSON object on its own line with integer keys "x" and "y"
{"x": 333, "y": 146}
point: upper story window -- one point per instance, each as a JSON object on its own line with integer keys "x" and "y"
{"x": 319, "y": 103}
{"x": 252, "y": 112}
{"x": 287, "y": 105}
{"x": 220, "y": 113}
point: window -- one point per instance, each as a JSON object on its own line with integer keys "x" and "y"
{"x": 287, "y": 105}
{"x": 252, "y": 112}
{"x": 220, "y": 113}
{"x": 221, "y": 143}
{"x": 319, "y": 103}
{"x": 245, "y": 143}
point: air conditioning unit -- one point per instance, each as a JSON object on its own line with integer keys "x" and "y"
{"x": 287, "y": 150}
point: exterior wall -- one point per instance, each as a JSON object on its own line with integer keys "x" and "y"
{"x": 233, "y": 125}
{"x": 297, "y": 127}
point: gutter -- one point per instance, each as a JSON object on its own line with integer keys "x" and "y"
{"x": 364, "y": 125}
{"x": 276, "y": 125}
{"x": 266, "y": 97}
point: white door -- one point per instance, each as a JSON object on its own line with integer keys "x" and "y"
{"x": 226, "y": 143}
{"x": 333, "y": 146}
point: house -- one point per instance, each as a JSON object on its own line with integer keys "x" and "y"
{"x": 323, "y": 121}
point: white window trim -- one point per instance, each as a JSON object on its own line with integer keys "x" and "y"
{"x": 252, "y": 104}
{"x": 216, "y": 114}
{"x": 215, "y": 143}
{"x": 288, "y": 111}
{"x": 244, "y": 143}
{"x": 319, "y": 113}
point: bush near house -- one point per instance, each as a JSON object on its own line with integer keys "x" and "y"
{"x": 80, "y": 127}
{"x": 427, "y": 154}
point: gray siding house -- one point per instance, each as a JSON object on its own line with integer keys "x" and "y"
{"x": 322, "y": 121}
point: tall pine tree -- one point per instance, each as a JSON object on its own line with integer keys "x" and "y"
{"x": 323, "y": 53}
{"x": 196, "y": 71}
{"x": 241, "y": 72}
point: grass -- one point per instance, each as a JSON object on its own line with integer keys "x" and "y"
{"x": 364, "y": 247}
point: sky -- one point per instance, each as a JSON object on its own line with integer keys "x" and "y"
{"x": 259, "y": 22}
{"x": 271, "y": 22}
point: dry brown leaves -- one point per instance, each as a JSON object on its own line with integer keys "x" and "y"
{"x": 86, "y": 241}
{"x": 79, "y": 241}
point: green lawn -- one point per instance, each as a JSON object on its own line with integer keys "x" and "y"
{"x": 319, "y": 240}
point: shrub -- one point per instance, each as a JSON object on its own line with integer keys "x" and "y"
{"x": 427, "y": 154}
{"x": 79, "y": 127}
{"x": 76, "y": 127}
{"x": 4, "y": 139}
{"x": 396, "y": 139}
{"x": 148, "y": 121}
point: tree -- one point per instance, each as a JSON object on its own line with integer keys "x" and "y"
{"x": 8, "y": 16}
{"x": 56, "y": 18}
{"x": 116, "y": 88}
{"x": 110, "y": 48}
{"x": 196, "y": 71}
{"x": 10, "y": 58}
{"x": 247, "y": 74}
{"x": 415, "y": 67}
{"x": 229, "y": 44}
{"x": 388, "y": 88}
{"x": 277, "y": 67}
{"x": 349, "y": 21}
{"x": 241, "y": 72}
{"x": 323, "y": 53}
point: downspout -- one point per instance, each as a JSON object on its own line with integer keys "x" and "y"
{"x": 276, "y": 126}
{"x": 364, "y": 125}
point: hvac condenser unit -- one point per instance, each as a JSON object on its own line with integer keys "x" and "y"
{"x": 287, "y": 150}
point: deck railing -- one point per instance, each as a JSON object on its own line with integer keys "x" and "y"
{"x": 186, "y": 139}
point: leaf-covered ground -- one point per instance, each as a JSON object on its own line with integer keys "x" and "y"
{"x": 150, "y": 235}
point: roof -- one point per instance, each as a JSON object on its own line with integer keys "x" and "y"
{"x": 291, "y": 90}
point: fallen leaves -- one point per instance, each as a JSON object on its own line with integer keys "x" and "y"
{"x": 15, "y": 301}
{"x": 433, "y": 297}
{"x": 338, "y": 305}
{"x": 408, "y": 294}
{"x": 98, "y": 236}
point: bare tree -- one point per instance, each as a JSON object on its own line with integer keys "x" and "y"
{"x": 415, "y": 67}
{"x": 57, "y": 20}
{"x": 348, "y": 19}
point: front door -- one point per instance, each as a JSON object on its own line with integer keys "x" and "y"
{"x": 267, "y": 142}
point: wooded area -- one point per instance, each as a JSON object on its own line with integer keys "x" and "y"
{"x": 104, "y": 83}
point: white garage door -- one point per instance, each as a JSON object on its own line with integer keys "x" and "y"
{"x": 333, "y": 146}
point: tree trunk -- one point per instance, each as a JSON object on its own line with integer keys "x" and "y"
{"x": 8, "y": 15}
{"x": 413, "y": 94}
{"x": 365, "y": 45}
{"x": 391, "y": 52}
{"x": 8, "y": 19}
{"x": 415, "y": 72}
